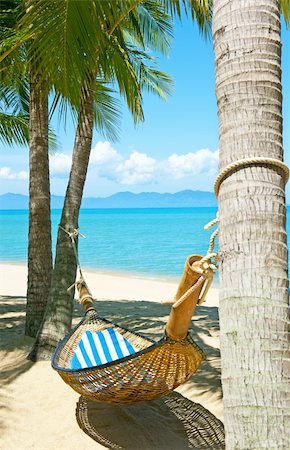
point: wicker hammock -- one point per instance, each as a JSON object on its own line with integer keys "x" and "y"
{"x": 156, "y": 368}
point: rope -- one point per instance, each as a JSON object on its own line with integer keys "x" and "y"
{"x": 73, "y": 236}
{"x": 210, "y": 250}
{"x": 209, "y": 271}
{"x": 240, "y": 164}
{"x": 206, "y": 273}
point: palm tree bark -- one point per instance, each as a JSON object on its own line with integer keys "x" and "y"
{"x": 39, "y": 240}
{"x": 254, "y": 313}
{"x": 58, "y": 316}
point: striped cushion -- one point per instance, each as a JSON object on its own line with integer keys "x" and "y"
{"x": 99, "y": 348}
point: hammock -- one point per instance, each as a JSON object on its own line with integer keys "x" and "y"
{"x": 108, "y": 363}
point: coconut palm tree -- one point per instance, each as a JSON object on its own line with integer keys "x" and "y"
{"x": 81, "y": 17}
{"x": 123, "y": 56}
{"x": 73, "y": 41}
{"x": 254, "y": 312}
{"x": 39, "y": 237}
{"x": 140, "y": 26}
{"x": 32, "y": 89}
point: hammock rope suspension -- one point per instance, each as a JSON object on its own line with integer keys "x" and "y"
{"x": 105, "y": 362}
{"x": 208, "y": 265}
{"x": 144, "y": 369}
{"x": 73, "y": 235}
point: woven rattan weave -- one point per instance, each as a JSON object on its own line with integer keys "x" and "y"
{"x": 156, "y": 369}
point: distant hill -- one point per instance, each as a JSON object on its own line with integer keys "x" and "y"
{"x": 183, "y": 199}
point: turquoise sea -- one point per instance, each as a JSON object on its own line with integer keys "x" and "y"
{"x": 140, "y": 241}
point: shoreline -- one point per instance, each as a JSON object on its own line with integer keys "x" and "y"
{"x": 105, "y": 285}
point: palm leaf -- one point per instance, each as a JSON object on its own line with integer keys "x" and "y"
{"x": 200, "y": 11}
{"x": 107, "y": 111}
{"x": 122, "y": 72}
{"x": 149, "y": 77}
{"x": 150, "y": 26}
{"x": 285, "y": 9}
{"x": 14, "y": 129}
{"x": 15, "y": 97}
{"x": 75, "y": 32}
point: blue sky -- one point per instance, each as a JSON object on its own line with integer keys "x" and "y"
{"x": 175, "y": 148}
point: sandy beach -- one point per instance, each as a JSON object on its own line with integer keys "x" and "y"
{"x": 104, "y": 285}
{"x": 39, "y": 411}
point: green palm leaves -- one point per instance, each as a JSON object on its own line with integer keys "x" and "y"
{"x": 81, "y": 51}
{"x": 285, "y": 10}
{"x": 69, "y": 40}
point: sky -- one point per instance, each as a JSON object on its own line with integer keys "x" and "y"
{"x": 176, "y": 148}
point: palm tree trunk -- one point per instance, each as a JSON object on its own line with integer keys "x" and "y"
{"x": 58, "y": 316}
{"x": 253, "y": 272}
{"x": 39, "y": 240}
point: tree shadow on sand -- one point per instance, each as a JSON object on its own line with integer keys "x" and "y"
{"x": 144, "y": 317}
{"x": 14, "y": 346}
{"x": 172, "y": 422}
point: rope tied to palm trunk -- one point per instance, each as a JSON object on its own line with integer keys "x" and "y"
{"x": 240, "y": 164}
{"x": 208, "y": 266}
{"x": 246, "y": 162}
{"x": 73, "y": 235}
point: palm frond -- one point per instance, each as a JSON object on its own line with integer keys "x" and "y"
{"x": 10, "y": 12}
{"x": 285, "y": 10}
{"x": 66, "y": 38}
{"x": 53, "y": 142}
{"x": 14, "y": 129}
{"x": 149, "y": 77}
{"x": 200, "y": 11}
{"x": 153, "y": 24}
{"x": 155, "y": 81}
{"x": 107, "y": 111}
{"x": 122, "y": 72}
{"x": 15, "y": 97}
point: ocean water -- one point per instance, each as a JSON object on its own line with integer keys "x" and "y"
{"x": 152, "y": 242}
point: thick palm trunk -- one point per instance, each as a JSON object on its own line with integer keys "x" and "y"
{"x": 253, "y": 251}
{"x": 39, "y": 242}
{"x": 58, "y": 316}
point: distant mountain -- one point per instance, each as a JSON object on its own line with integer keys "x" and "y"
{"x": 183, "y": 199}
{"x": 13, "y": 201}
{"x": 19, "y": 201}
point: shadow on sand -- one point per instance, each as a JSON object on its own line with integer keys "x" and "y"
{"x": 172, "y": 423}
{"x": 14, "y": 346}
{"x": 144, "y": 317}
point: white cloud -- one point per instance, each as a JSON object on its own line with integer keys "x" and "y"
{"x": 104, "y": 153}
{"x": 139, "y": 168}
{"x": 192, "y": 163}
{"x": 108, "y": 163}
{"x": 6, "y": 174}
{"x": 60, "y": 164}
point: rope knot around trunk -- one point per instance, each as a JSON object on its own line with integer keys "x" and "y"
{"x": 73, "y": 236}
{"x": 246, "y": 162}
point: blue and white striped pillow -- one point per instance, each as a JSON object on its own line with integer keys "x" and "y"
{"x": 99, "y": 348}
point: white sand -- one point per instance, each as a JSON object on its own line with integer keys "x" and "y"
{"x": 38, "y": 408}
{"x": 104, "y": 286}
